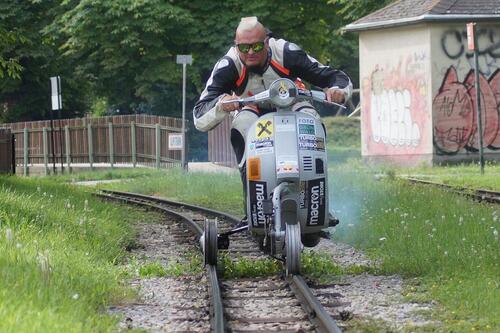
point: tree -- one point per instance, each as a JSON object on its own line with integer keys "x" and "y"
{"x": 33, "y": 59}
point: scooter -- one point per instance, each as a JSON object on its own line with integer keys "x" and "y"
{"x": 287, "y": 181}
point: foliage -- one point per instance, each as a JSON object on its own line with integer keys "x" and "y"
{"x": 9, "y": 66}
{"x": 123, "y": 52}
{"x": 58, "y": 252}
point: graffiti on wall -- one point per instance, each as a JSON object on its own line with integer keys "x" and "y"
{"x": 454, "y": 46}
{"x": 455, "y": 120}
{"x": 395, "y": 98}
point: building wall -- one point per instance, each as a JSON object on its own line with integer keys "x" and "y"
{"x": 454, "y": 98}
{"x": 396, "y": 94}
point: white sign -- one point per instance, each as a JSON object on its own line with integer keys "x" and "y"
{"x": 55, "y": 89}
{"x": 470, "y": 36}
{"x": 185, "y": 59}
{"x": 175, "y": 141}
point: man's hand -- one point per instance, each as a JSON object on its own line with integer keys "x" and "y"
{"x": 229, "y": 107}
{"x": 335, "y": 95}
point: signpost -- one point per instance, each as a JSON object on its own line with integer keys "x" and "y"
{"x": 55, "y": 94}
{"x": 184, "y": 59}
{"x": 175, "y": 141}
{"x": 472, "y": 45}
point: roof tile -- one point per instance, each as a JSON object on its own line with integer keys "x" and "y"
{"x": 407, "y": 9}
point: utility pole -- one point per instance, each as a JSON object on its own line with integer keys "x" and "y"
{"x": 184, "y": 59}
{"x": 55, "y": 92}
{"x": 472, "y": 44}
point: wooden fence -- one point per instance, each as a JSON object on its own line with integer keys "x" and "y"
{"x": 130, "y": 139}
{"x": 6, "y": 151}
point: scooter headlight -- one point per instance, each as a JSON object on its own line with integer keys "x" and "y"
{"x": 282, "y": 92}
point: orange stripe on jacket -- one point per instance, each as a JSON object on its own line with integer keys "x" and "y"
{"x": 242, "y": 76}
{"x": 280, "y": 68}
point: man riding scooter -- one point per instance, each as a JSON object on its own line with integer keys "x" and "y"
{"x": 248, "y": 68}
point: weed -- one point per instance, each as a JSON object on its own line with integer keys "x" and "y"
{"x": 152, "y": 269}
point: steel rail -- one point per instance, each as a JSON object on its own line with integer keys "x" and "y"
{"x": 217, "y": 322}
{"x": 316, "y": 312}
{"x": 477, "y": 194}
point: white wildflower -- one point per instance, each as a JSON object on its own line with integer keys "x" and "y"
{"x": 8, "y": 234}
{"x": 382, "y": 239}
{"x": 43, "y": 261}
{"x": 75, "y": 296}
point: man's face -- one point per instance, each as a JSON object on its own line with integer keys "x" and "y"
{"x": 252, "y": 58}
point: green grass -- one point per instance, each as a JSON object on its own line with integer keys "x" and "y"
{"x": 58, "y": 252}
{"x": 116, "y": 173}
{"x": 449, "y": 242}
{"x": 465, "y": 174}
{"x": 220, "y": 192}
{"x": 343, "y": 137}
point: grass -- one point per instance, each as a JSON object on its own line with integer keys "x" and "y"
{"x": 343, "y": 138}
{"x": 447, "y": 241}
{"x": 220, "y": 192}
{"x": 465, "y": 175}
{"x": 58, "y": 252}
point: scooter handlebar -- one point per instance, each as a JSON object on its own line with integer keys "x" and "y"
{"x": 303, "y": 94}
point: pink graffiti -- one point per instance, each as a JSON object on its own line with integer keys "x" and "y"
{"x": 455, "y": 121}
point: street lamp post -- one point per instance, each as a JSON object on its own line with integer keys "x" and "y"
{"x": 184, "y": 59}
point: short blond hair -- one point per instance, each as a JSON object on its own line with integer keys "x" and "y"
{"x": 249, "y": 23}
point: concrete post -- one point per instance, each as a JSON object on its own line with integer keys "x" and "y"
{"x": 68, "y": 147}
{"x": 45, "y": 151}
{"x": 25, "y": 151}
{"x": 132, "y": 136}
{"x": 111, "y": 150}
{"x": 91, "y": 148}
{"x": 158, "y": 146}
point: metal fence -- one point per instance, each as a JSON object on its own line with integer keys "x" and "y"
{"x": 131, "y": 139}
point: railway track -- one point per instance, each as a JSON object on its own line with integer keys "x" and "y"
{"x": 475, "y": 194}
{"x": 278, "y": 303}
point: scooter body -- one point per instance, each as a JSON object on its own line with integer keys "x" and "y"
{"x": 287, "y": 147}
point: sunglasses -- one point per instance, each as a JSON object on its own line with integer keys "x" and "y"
{"x": 256, "y": 47}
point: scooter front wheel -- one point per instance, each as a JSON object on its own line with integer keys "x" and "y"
{"x": 293, "y": 249}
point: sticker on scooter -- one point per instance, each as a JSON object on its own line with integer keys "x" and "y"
{"x": 258, "y": 193}
{"x": 316, "y": 204}
{"x": 306, "y": 126}
{"x": 315, "y": 143}
{"x": 287, "y": 166}
{"x": 264, "y": 129}
{"x": 283, "y": 92}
